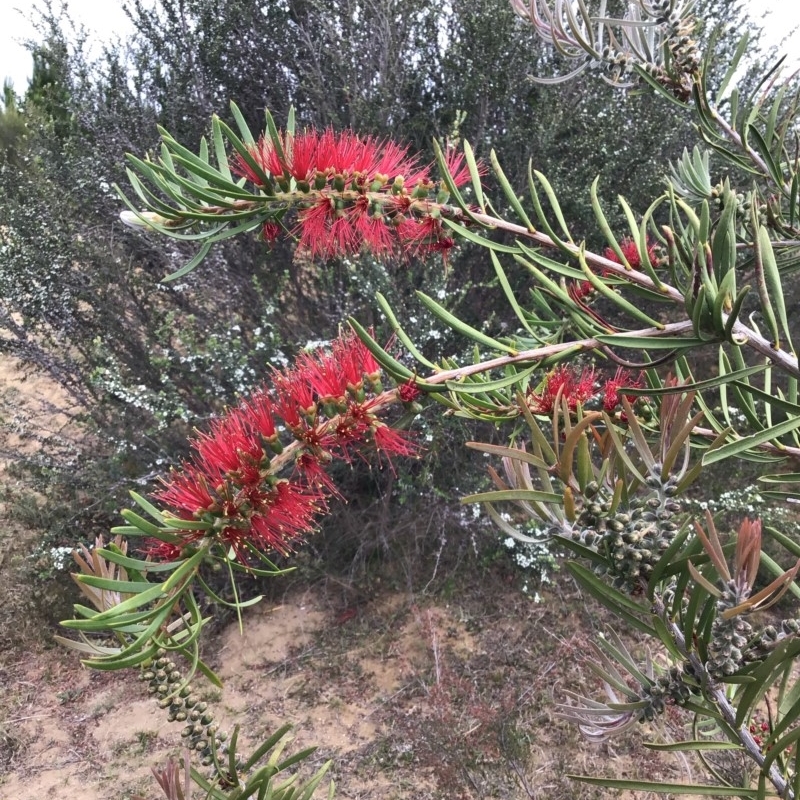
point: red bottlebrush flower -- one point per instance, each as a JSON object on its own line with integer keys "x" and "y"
{"x": 374, "y": 234}
{"x": 300, "y": 153}
{"x": 270, "y": 232}
{"x": 233, "y": 483}
{"x": 630, "y": 250}
{"x": 294, "y": 396}
{"x": 356, "y": 362}
{"x": 614, "y": 387}
{"x": 364, "y": 356}
{"x": 285, "y": 514}
{"x": 391, "y": 442}
{"x": 265, "y": 155}
{"x": 566, "y": 383}
{"x": 188, "y": 492}
{"x": 342, "y": 240}
{"x": 314, "y": 225}
{"x": 423, "y": 235}
{"x": 258, "y": 411}
{"x": 408, "y": 391}
{"x": 313, "y": 472}
{"x": 317, "y": 437}
{"x": 393, "y": 160}
{"x": 458, "y": 168}
{"x": 156, "y": 550}
{"x": 344, "y": 153}
{"x": 577, "y": 290}
{"x": 326, "y": 376}
{"x": 230, "y": 447}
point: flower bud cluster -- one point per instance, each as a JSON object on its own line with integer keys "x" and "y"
{"x": 670, "y": 688}
{"x": 729, "y": 640}
{"x": 760, "y": 645}
{"x": 633, "y": 538}
{"x": 201, "y": 734}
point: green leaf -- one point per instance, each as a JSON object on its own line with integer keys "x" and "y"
{"x": 543, "y": 221}
{"x": 764, "y": 675}
{"x": 602, "y": 222}
{"x": 188, "y": 267}
{"x": 691, "y": 744}
{"x": 247, "y": 136}
{"x": 763, "y": 148}
{"x": 522, "y": 316}
{"x": 450, "y": 185}
{"x": 782, "y": 477}
{"x": 554, "y": 204}
{"x": 513, "y": 494}
{"x": 122, "y": 662}
{"x": 741, "y": 49}
{"x": 474, "y": 173}
{"x": 111, "y": 585}
{"x": 135, "y": 563}
{"x": 401, "y": 334}
{"x": 466, "y": 233}
{"x": 773, "y": 281}
{"x": 461, "y": 327}
{"x": 690, "y": 789}
{"x": 617, "y": 602}
{"x": 473, "y": 386}
{"x": 142, "y": 524}
{"x": 750, "y": 442}
{"x": 509, "y": 192}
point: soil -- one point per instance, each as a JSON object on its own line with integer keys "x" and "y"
{"x": 410, "y": 696}
{"x": 450, "y": 693}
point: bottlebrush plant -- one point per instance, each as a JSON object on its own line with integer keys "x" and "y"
{"x": 600, "y": 452}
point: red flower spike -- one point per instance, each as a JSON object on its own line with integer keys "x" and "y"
{"x": 577, "y": 290}
{"x": 263, "y": 153}
{"x": 314, "y": 474}
{"x": 156, "y": 550}
{"x": 612, "y": 388}
{"x": 391, "y": 442}
{"x": 187, "y": 492}
{"x": 393, "y": 160}
{"x": 458, "y": 168}
{"x": 258, "y": 411}
{"x": 566, "y": 383}
{"x": 300, "y": 152}
{"x": 630, "y": 250}
{"x": 367, "y": 361}
{"x": 294, "y": 396}
{"x": 326, "y": 376}
{"x": 231, "y": 480}
{"x": 342, "y": 239}
{"x": 285, "y": 515}
{"x": 270, "y": 232}
{"x": 376, "y": 236}
{"x": 408, "y": 391}
{"x": 230, "y": 446}
{"x": 314, "y": 224}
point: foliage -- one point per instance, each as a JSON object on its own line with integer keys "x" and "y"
{"x": 604, "y": 475}
{"x": 140, "y": 363}
{"x": 599, "y": 450}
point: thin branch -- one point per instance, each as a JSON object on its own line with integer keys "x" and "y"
{"x": 717, "y": 694}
